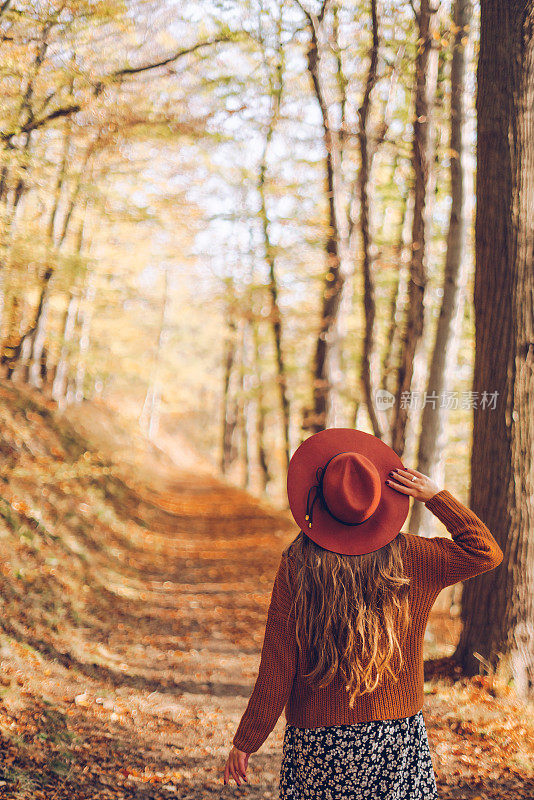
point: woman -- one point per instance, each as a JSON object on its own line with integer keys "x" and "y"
{"x": 343, "y": 646}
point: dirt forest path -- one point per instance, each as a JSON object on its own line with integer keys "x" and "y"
{"x": 141, "y": 698}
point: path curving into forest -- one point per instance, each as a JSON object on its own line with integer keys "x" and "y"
{"x": 133, "y": 686}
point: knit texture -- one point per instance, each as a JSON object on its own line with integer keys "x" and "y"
{"x": 431, "y": 563}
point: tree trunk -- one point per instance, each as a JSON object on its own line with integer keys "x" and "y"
{"x": 368, "y": 366}
{"x": 61, "y": 376}
{"x": 54, "y": 243}
{"x": 7, "y": 232}
{"x": 398, "y": 296}
{"x": 243, "y": 404}
{"x": 276, "y": 86}
{"x": 149, "y": 418}
{"x": 25, "y": 116}
{"x": 261, "y": 412}
{"x": 38, "y": 334}
{"x": 229, "y": 410}
{"x": 85, "y": 313}
{"x": 336, "y": 247}
{"x": 39, "y": 327}
{"x": 422, "y": 156}
{"x": 434, "y": 414}
{"x": 498, "y": 606}
{"x": 59, "y": 387}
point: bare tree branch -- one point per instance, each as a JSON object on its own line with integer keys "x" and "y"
{"x": 415, "y": 12}
{"x": 308, "y": 14}
{"x": 33, "y": 125}
{"x": 324, "y": 9}
{"x": 170, "y": 59}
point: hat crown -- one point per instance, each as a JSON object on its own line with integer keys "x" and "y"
{"x": 364, "y": 464}
{"x": 351, "y": 487}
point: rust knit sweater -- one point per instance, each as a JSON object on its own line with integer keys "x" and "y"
{"x": 432, "y": 564}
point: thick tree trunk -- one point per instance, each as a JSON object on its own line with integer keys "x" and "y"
{"x": 498, "y": 606}
{"x": 422, "y": 157}
{"x": 434, "y": 415}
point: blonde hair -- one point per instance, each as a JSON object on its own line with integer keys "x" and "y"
{"x": 351, "y": 613}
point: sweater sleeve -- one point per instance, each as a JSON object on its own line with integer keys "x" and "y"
{"x": 471, "y": 551}
{"x": 276, "y": 670}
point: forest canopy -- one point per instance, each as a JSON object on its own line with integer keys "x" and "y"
{"x": 164, "y": 201}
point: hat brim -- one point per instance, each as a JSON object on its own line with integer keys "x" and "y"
{"x": 390, "y": 514}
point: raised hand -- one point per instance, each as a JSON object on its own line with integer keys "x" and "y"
{"x": 410, "y": 481}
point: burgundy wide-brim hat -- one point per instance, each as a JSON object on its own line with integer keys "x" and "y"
{"x": 337, "y": 491}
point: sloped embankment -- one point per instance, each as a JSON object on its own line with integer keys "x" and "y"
{"x": 108, "y": 589}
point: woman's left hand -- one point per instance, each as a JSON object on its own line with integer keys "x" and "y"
{"x": 410, "y": 481}
{"x": 236, "y": 766}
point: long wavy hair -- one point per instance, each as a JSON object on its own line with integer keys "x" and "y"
{"x": 351, "y": 613}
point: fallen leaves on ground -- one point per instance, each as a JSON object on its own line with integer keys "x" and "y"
{"x": 133, "y": 610}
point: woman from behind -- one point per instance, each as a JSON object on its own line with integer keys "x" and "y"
{"x": 343, "y": 646}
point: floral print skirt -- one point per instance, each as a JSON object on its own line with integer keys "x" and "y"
{"x": 376, "y": 760}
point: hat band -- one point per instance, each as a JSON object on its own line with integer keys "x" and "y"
{"x": 319, "y": 474}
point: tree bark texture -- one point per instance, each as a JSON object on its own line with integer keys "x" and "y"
{"x": 443, "y": 360}
{"x": 335, "y": 247}
{"x": 276, "y": 86}
{"x": 369, "y": 303}
{"x": 422, "y": 157}
{"x": 498, "y": 606}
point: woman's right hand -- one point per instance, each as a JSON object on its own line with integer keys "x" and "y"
{"x": 410, "y": 481}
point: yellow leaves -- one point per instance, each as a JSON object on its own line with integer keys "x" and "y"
{"x": 33, "y": 417}
{"x": 20, "y": 506}
{"x": 148, "y": 776}
{"x": 82, "y": 700}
